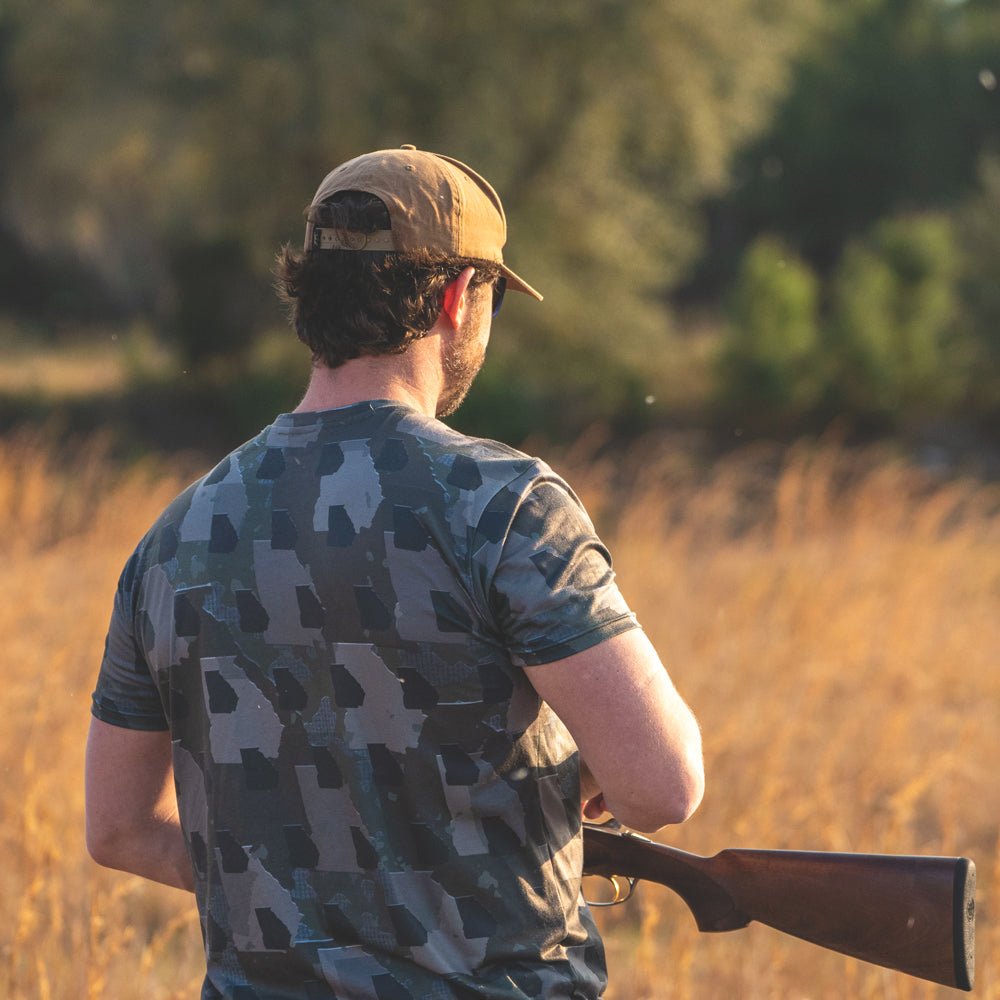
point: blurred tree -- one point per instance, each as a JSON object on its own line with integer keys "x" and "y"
{"x": 13, "y": 272}
{"x": 893, "y": 328}
{"x": 889, "y": 112}
{"x": 771, "y": 368}
{"x": 601, "y": 124}
{"x": 169, "y": 148}
{"x": 7, "y": 105}
{"x": 978, "y": 228}
{"x": 215, "y": 302}
{"x": 49, "y": 285}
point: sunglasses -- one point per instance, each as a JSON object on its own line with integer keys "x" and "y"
{"x": 499, "y": 288}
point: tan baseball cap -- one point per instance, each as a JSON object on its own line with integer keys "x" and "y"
{"x": 434, "y": 203}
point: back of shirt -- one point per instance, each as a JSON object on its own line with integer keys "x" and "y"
{"x": 335, "y": 625}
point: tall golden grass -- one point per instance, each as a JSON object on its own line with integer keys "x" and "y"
{"x": 833, "y": 618}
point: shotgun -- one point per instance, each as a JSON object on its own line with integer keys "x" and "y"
{"x": 913, "y": 914}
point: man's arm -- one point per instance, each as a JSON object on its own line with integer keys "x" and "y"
{"x": 132, "y": 819}
{"x": 638, "y": 738}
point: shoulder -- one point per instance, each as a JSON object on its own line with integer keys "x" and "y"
{"x": 440, "y": 436}
{"x": 188, "y": 517}
{"x": 480, "y": 465}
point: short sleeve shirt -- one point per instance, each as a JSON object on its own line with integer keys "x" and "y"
{"x": 335, "y": 626}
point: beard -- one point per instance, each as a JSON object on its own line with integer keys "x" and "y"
{"x": 462, "y": 362}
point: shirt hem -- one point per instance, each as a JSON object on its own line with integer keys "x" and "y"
{"x": 578, "y": 643}
{"x": 114, "y": 717}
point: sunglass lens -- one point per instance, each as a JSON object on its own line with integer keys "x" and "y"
{"x": 498, "y": 293}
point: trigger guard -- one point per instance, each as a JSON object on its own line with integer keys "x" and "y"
{"x": 616, "y": 881}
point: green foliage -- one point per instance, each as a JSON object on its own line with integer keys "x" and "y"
{"x": 890, "y": 346}
{"x": 600, "y": 123}
{"x": 880, "y": 138}
{"x": 156, "y": 155}
{"x": 978, "y": 227}
{"x": 888, "y": 113}
{"x": 893, "y": 324}
{"x": 216, "y": 303}
{"x": 771, "y": 355}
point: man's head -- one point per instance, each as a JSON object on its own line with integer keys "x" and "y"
{"x": 387, "y": 234}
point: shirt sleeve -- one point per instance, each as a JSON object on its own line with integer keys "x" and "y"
{"x": 553, "y": 592}
{"x": 126, "y": 694}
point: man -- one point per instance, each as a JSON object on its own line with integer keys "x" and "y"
{"x": 352, "y": 674}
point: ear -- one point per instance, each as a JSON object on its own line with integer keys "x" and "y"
{"x": 455, "y": 302}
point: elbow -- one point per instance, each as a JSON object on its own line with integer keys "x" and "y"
{"x": 100, "y": 849}
{"x": 688, "y": 794}
{"x": 667, "y": 812}
{"x": 671, "y": 803}
{"x": 104, "y": 845}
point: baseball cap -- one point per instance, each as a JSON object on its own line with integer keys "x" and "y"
{"x": 434, "y": 203}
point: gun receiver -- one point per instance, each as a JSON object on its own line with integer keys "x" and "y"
{"x": 909, "y": 913}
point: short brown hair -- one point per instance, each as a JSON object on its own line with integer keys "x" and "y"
{"x": 347, "y": 303}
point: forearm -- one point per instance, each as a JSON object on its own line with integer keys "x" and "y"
{"x": 638, "y": 737}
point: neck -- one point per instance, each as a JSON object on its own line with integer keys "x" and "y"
{"x": 410, "y": 378}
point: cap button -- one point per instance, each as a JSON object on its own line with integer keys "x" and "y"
{"x": 407, "y": 145}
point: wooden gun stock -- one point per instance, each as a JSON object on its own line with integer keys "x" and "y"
{"x": 912, "y": 914}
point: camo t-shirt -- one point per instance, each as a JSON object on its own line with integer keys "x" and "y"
{"x": 335, "y": 625}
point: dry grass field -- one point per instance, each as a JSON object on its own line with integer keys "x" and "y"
{"x": 834, "y": 619}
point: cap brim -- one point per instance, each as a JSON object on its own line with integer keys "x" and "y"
{"x": 516, "y": 284}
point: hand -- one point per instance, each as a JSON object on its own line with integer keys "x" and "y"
{"x": 592, "y": 797}
{"x": 595, "y": 807}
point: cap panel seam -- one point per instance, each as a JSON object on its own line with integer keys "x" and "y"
{"x": 458, "y": 236}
